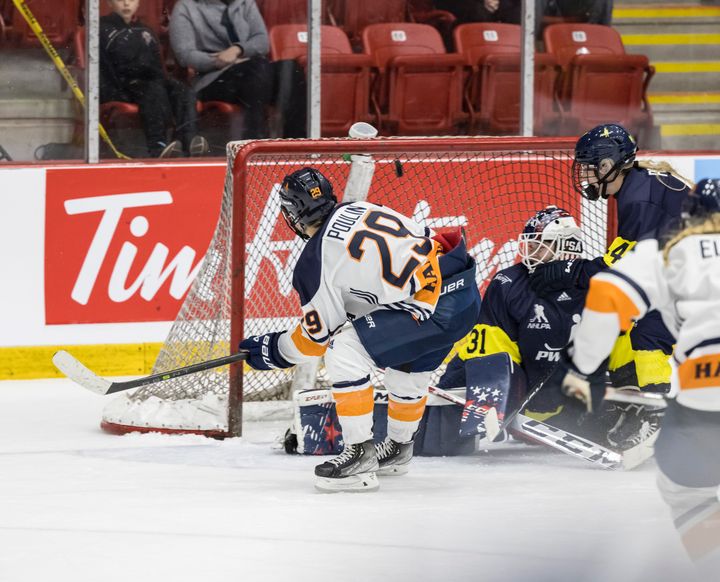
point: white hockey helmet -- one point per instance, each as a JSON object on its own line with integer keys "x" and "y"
{"x": 550, "y": 235}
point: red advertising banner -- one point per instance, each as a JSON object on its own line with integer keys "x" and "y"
{"x": 123, "y": 243}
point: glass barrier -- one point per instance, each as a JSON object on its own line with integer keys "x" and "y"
{"x": 180, "y": 78}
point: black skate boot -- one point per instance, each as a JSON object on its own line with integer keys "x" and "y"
{"x": 352, "y": 470}
{"x": 393, "y": 457}
{"x": 635, "y": 432}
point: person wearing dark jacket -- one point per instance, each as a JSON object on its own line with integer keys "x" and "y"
{"x": 131, "y": 69}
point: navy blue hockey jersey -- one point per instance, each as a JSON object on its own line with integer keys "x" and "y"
{"x": 648, "y": 204}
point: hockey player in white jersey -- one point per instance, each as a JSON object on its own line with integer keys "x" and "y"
{"x": 680, "y": 278}
{"x": 409, "y": 294}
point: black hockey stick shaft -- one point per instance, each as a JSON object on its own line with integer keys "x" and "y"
{"x": 178, "y": 372}
{"x": 507, "y": 421}
{"x": 81, "y": 374}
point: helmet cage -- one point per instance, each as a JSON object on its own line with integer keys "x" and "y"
{"x": 603, "y": 142}
{"x": 551, "y": 235}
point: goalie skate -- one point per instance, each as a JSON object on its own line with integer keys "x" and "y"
{"x": 352, "y": 470}
{"x": 393, "y": 457}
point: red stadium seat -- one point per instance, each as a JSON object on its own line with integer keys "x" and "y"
{"x": 345, "y": 76}
{"x": 58, "y": 21}
{"x": 600, "y": 82}
{"x": 276, "y": 12}
{"x": 492, "y": 52}
{"x": 418, "y": 87}
{"x": 355, "y": 15}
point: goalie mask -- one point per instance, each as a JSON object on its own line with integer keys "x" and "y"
{"x": 550, "y": 235}
{"x": 306, "y": 199}
{"x": 604, "y": 142}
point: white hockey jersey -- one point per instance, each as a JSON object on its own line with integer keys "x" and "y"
{"x": 366, "y": 257}
{"x": 685, "y": 288}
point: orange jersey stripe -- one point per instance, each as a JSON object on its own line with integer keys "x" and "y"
{"x": 306, "y": 346}
{"x": 354, "y": 403}
{"x": 429, "y": 277}
{"x": 702, "y": 372}
{"x": 406, "y": 412}
{"x": 703, "y": 537}
{"x": 604, "y": 297}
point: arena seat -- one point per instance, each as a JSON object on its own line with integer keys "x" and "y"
{"x": 493, "y": 89}
{"x": 345, "y": 82}
{"x": 57, "y": 19}
{"x": 354, "y": 15}
{"x": 600, "y": 82}
{"x": 417, "y": 88}
{"x": 276, "y": 12}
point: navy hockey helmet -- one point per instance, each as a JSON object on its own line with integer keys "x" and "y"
{"x": 604, "y": 142}
{"x": 306, "y": 199}
{"x": 550, "y": 235}
{"x": 702, "y": 201}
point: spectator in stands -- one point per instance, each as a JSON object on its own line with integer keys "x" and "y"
{"x": 226, "y": 43}
{"x": 591, "y": 11}
{"x": 483, "y": 10}
{"x": 131, "y": 69}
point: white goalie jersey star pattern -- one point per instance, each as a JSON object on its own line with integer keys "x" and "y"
{"x": 684, "y": 285}
{"x": 366, "y": 257}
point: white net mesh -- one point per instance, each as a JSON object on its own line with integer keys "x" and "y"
{"x": 488, "y": 186}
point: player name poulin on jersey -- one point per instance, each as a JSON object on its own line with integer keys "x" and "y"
{"x": 343, "y": 222}
{"x": 539, "y": 320}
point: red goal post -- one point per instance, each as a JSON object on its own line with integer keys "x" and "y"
{"x": 488, "y": 185}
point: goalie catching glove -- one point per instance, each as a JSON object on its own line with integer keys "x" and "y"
{"x": 263, "y": 352}
{"x": 587, "y": 388}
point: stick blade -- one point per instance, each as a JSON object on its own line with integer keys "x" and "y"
{"x": 80, "y": 374}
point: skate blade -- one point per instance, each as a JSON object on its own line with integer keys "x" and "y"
{"x": 354, "y": 483}
{"x": 637, "y": 455}
{"x": 394, "y": 470}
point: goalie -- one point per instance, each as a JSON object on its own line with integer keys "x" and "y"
{"x": 681, "y": 279}
{"x": 409, "y": 294}
{"x": 530, "y": 312}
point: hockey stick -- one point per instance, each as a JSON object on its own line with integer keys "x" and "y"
{"x": 80, "y": 374}
{"x": 564, "y": 441}
{"x": 567, "y": 442}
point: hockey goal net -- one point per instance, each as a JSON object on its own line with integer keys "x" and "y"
{"x": 490, "y": 186}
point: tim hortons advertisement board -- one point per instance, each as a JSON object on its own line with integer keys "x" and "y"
{"x": 123, "y": 244}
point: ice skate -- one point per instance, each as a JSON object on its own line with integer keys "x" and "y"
{"x": 393, "y": 457}
{"x": 352, "y": 470}
{"x": 635, "y": 425}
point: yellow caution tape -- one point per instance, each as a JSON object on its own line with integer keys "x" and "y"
{"x": 60, "y": 65}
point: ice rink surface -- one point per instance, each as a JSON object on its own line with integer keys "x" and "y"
{"x": 77, "y": 504}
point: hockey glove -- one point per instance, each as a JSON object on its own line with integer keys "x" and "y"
{"x": 555, "y": 276}
{"x": 587, "y": 388}
{"x": 263, "y": 352}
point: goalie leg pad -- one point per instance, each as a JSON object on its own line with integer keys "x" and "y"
{"x": 493, "y": 381}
